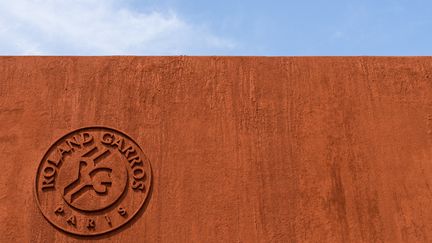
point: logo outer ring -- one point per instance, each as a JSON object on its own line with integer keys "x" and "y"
{"x": 132, "y": 215}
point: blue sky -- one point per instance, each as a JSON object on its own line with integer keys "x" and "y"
{"x": 180, "y": 27}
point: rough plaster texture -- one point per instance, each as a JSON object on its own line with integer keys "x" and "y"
{"x": 243, "y": 149}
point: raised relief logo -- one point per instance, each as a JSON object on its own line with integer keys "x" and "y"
{"x": 92, "y": 180}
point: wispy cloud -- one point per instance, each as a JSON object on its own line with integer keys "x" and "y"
{"x": 98, "y": 27}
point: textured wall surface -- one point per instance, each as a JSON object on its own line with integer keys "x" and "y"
{"x": 243, "y": 149}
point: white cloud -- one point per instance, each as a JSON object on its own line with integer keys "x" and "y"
{"x": 98, "y": 27}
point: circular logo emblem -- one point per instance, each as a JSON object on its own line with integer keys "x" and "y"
{"x": 92, "y": 180}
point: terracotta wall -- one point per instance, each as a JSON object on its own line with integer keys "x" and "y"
{"x": 242, "y": 149}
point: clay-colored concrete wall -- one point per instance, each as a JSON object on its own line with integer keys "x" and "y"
{"x": 242, "y": 149}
